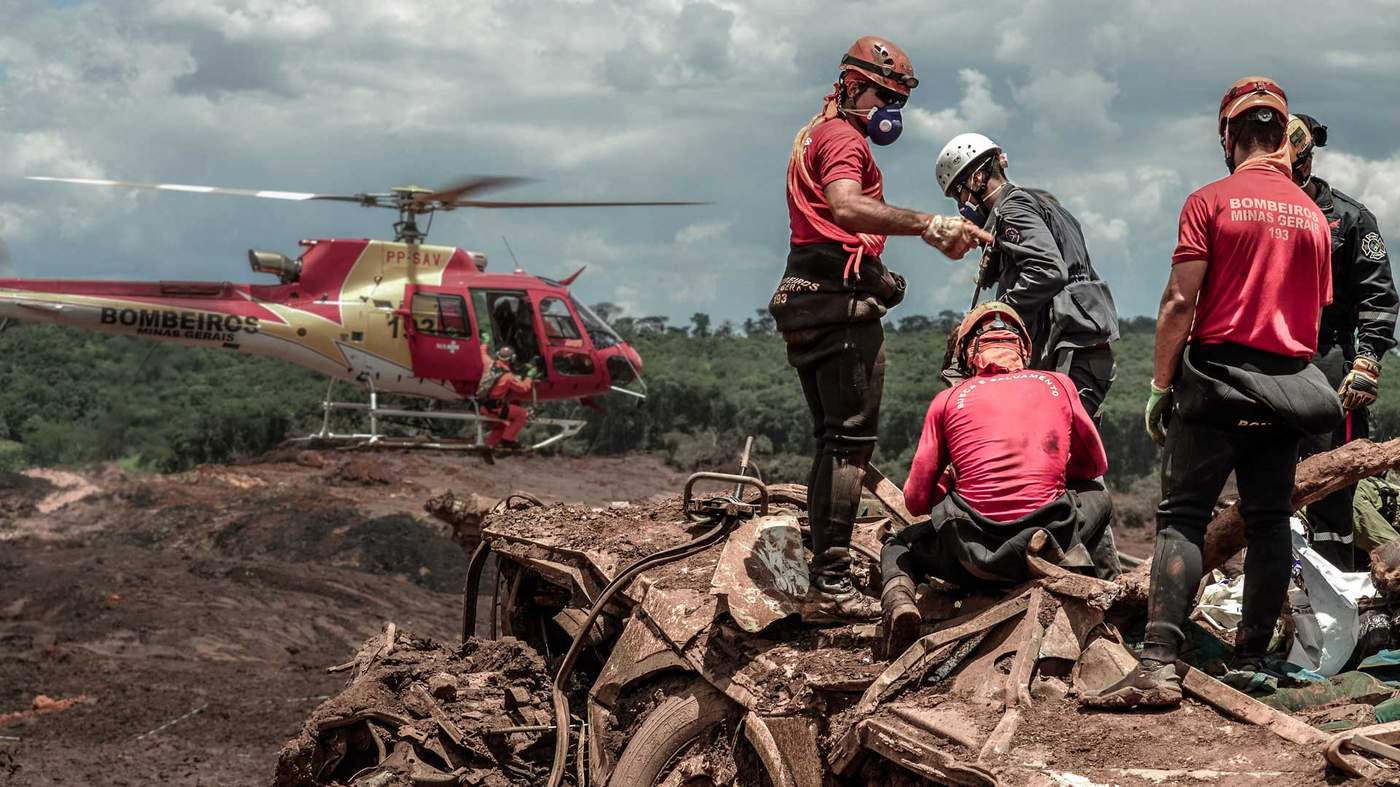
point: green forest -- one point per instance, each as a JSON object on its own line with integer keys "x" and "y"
{"x": 69, "y": 397}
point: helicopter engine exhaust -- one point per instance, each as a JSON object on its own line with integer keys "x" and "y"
{"x": 281, "y": 266}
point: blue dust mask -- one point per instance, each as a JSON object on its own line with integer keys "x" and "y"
{"x": 885, "y": 124}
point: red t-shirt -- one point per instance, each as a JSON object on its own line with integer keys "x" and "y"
{"x": 836, "y": 151}
{"x": 1006, "y": 466}
{"x": 1268, "y": 253}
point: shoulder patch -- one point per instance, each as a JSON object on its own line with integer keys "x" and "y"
{"x": 1013, "y": 235}
{"x": 1372, "y": 246}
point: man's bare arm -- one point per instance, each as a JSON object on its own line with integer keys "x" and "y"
{"x": 855, "y": 212}
{"x": 1174, "y": 319}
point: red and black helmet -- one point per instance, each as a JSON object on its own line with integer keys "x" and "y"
{"x": 882, "y": 62}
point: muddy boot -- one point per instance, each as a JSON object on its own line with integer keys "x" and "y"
{"x": 902, "y": 620}
{"x": 839, "y": 604}
{"x": 1151, "y": 684}
{"x": 832, "y": 598}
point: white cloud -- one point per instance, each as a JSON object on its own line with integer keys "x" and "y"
{"x": 1375, "y": 182}
{"x": 978, "y": 110}
{"x": 1071, "y": 106}
{"x": 703, "y": 232}
{"x": 1107, "y": 102}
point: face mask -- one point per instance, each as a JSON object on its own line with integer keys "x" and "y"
{"x": 885, "y": 124}
{"x": 972, "y": 214}
{"x": 996, "y": 352}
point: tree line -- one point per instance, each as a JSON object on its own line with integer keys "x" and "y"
{"x": 72, "y": 397}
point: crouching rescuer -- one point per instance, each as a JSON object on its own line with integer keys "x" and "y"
{"x": 836, "y": 288}
{"x": 1232, "y": 388}
{"x": 498, "y": 391}
{"x": 1017, "y": 442}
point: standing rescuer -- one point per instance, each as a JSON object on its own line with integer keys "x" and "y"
{"x": 1039, "y": 263}
{"x": 835, "y": 289}
{"x": 1235, "y": 333}
{"x": 1358, "y": 327}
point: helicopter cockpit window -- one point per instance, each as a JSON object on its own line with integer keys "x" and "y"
{"x": 443, "y": 314}
{"x": 559, "y": 325}
{"x": 600, "y": 332}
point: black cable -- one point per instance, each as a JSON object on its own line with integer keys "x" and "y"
{"x": 561, "y": 700}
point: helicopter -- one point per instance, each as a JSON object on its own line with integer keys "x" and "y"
{"x": 399, "y": 317}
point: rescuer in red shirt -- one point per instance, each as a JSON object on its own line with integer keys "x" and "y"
{"x": 1011, "y": 476}
{"x": 501, "y": 388}
{"x": 834, "y": 291}
{"x": 1232, "y": 385}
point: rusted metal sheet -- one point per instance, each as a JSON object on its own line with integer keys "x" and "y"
{"x": 787, "y": 745}
{"x": 929, "y": 649}
{"x": 762, "y": 573}
{"x": 942, "y": 720}
{"x": 908, "y": 748}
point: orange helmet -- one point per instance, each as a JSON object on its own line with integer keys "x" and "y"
{"x": 1251, "y": 92}
{"x": 995, "y": 315}
{"x": 882, "y": 62}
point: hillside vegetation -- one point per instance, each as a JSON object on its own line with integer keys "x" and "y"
{"x": 72, "y": 397}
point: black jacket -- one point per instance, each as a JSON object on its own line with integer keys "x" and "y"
{"x": 1038, "y": 254}
{"x": 1361, "y": 317}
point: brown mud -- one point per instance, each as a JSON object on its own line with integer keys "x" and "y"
{"x": 213, "y": 601}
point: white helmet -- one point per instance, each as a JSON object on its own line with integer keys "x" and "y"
{"x": 959, "y": 156}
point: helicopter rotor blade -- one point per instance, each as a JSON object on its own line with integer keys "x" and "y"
{"x": 474, "y": 203}
{"x": 468, "y": 186}
{"x": 295, "y": 196}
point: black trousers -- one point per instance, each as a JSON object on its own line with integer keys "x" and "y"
{"x": 1331, "y": 517}
{"x": 1195, "y": 465}
{"x": 960, "y": 546}
{"x": 1092, "y": 371}
{"x": 842, "y": 371}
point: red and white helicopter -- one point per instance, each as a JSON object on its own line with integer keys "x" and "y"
{"x": 400, "y": 316}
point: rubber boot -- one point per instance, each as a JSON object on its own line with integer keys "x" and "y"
{"x": 1151, "y": 684}
{"x": 902, "y": 620}
{"x": 1251, "y": 647}
{"x": 832, "y": 598}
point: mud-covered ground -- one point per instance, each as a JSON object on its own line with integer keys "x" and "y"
{"x": 191, "y": 617}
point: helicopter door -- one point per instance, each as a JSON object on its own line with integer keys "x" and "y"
{"x": 440, "y": 339}
{"x": 570, "y": 356}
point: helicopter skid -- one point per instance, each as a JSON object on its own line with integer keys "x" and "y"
{"x": 566, "y": 427}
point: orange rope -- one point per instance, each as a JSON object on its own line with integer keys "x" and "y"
{"x": 856, "y": 245}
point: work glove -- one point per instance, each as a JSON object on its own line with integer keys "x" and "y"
{"x": 953, "y": 235}
{"x": 1158, "y": 403}
{"x": 1361, "y": 385}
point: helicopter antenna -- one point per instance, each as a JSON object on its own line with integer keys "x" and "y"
{"x": 518, "y": 268}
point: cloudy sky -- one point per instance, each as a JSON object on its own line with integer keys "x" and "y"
{"x": 1108, "y": 103}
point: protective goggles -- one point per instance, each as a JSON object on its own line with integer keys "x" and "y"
{"x": 908, "y": 80}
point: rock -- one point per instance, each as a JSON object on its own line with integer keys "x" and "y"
{"x": 443, "y": 686}
{"x": 310, "y": 459}
{"x": 517, "y": 696}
